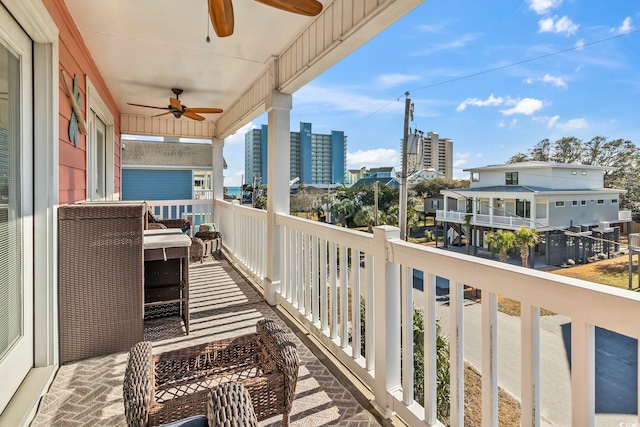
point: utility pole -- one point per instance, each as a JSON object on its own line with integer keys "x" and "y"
{"x": 402, "y": 212}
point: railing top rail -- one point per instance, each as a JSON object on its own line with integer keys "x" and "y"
{"x": 332, "y": 233}
{"x": 601, "y": 305}
{"x": 178, "y": 202}
{"x": 243, "y": 210}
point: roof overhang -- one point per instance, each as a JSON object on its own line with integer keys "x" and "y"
{"x": 144, "y": 48}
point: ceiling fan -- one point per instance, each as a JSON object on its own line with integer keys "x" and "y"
{"x": 221, "y": 12}
{"x": 178, "y": 110}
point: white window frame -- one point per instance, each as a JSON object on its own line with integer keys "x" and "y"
{"x": 95, "y": 105}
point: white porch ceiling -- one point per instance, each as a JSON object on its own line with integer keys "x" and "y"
{"x": 144, "y": 48}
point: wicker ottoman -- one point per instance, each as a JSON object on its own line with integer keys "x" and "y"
{"x": 166, "y": 387}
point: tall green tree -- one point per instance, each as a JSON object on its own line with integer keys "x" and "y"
{"x": 526, "y": 238}
{"x": 365, "y": 216}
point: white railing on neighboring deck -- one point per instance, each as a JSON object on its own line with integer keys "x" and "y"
{"x": 498, "y": 221}
{"x": 329, "y": 274}
{"x": 203, "y": 194}
{"x": 625, "y": 215}
{"x": 196, "y": 211}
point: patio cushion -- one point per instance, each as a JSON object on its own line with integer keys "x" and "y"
{"x": 207, "y": 226}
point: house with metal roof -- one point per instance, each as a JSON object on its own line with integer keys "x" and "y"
{"x": 550, "y": 197}
{"x": 165, "y": 170}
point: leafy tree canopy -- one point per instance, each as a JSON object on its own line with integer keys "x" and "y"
{"x": 620, "y": 155}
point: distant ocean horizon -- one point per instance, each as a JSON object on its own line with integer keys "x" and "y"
{"x": 234, "y": 191}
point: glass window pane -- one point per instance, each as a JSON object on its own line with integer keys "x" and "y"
{"x": 10, "y": 203}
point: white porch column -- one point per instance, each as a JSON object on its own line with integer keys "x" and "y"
{"x": 217, "y": 175}
{"x": 278, "y": 105}
{"x": 491, "y": 201}
{"x": 532, "y": 213}
{"x": 218, "y": 169}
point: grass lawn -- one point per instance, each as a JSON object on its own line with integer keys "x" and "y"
{"x": 612, "y": 272}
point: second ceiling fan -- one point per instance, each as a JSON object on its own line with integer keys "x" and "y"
{"x": 221, "y": 12}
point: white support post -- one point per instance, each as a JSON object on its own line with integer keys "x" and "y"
{"x": 430, "y": 346}
{"x": 217, "y": 173}
{"x": 456, "y": 353}
{"x": 530, "y": 371}
{"x": 489, "y": 359}
{"x": 407, "y": 335}
{"x": 582, "y": 373}
{"x": 387, "y": 321}
{"x": 278, "y": 106}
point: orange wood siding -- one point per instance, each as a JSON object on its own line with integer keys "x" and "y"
{"x": 75, "y": 58}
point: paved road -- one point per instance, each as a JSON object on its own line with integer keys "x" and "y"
{"x": 616, "y": 364}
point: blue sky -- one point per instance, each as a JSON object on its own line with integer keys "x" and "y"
{"x": 441, "y": 53}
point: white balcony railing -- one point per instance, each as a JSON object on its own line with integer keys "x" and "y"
{"x": 328, "y": 275}
{"x": 499, "y": 221}
{"x": 625, "y": 216}
{"x": 196, "y": 211}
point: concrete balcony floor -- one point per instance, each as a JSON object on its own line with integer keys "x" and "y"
{"x": 223, "y": 304}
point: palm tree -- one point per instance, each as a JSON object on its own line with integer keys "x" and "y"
{"x": 503, "y": 241}
{"x": 526, "y": 238}
{"x": 365, "y": 216}
{"x": 467, "y": 231}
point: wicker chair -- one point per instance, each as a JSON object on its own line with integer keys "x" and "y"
{"x": 182, "y": 224}
{"x": 173, "y": 385}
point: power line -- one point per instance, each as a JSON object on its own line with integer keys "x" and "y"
{"x": 513, "y": 64}
{"x": 490, "y": 70}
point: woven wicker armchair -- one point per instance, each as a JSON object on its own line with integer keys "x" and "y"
{"x": 182, "y": 224}
{"x": 173, "y": 385}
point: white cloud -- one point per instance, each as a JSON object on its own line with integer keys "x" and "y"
{"x": 526, "y": 106}
{"x": 432, "y": 28}
{"x": 395, "y": 79}
{"x": 238, "y": 137}
{"x": 574, "y": 124}
{"x": 624, "y": 28}
{"x": 579, "y": 44}
{"x": 543, "y": 6}
{"x": 554, "y": 122}
{"x": 458, "y": 43}
{"x": 557, "y": 25}
{"x": 339, "y": 98}
{"x": 491, "y": 101}
{"x": 548, "y": 78}
{"x": 377, "y": 157}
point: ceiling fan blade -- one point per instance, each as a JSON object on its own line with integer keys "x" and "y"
{"x": 204, "y": 110}
{"x": 162, "y": 114}
{"x": 301, "y": 7}
{"x": 175, "y": 103}
{"x": 193, "y": 115}
{"x": 147, "y": 106}
{"x": 221, "y": 15}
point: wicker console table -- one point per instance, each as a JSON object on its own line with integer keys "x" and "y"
{"x": 166, "y": 387}
{"x": 166, "y": 270}
{"x": 100, "y": 278}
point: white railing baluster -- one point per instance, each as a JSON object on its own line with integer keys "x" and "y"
{"x": 370, "y": 313}
{"x": 295, "y": 267}
{"x": 530, "y": 368}
{"x": 407, "y": 335}
{"x": 430, "y": 349}
{"x": 324, "y": 300}
{"x": 344, "y": 297}
{"x": 300, "y": 271}
{"x": 489, "y": 359}
{"x": 333, "y": 287}
{"x": 582, "y": 373}
{"x": 315, "y": 281}
{"x": 456, "y": 356}
{"x": 307, "y": 275}
{"x": 355, "y": 304}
